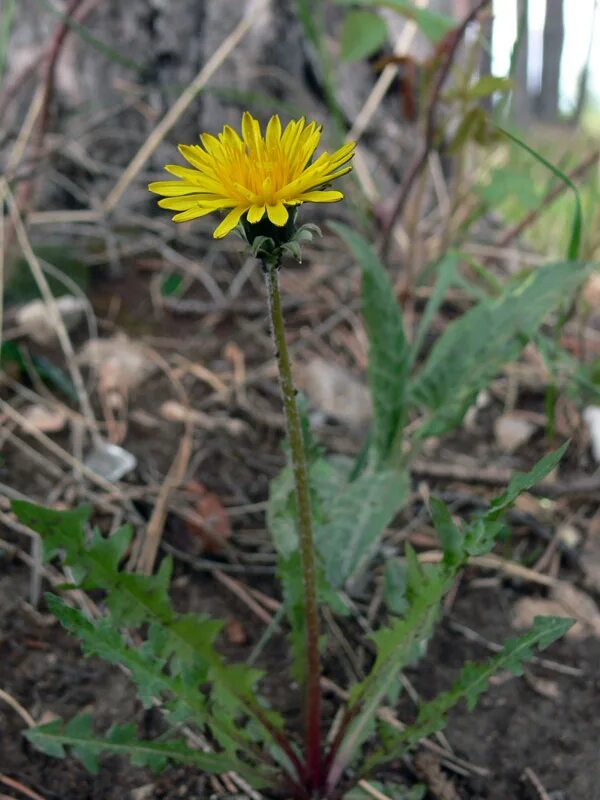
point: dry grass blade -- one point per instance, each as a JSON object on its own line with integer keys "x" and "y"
{"x": 16, "y": 706}
{"x": 536, "y": 783}
{"x": 59, "y": 326}
{"x": 372, "y": 791}
{"x": 20, "y": 145}
{"x": 20, "y": 788}
{"x": 56, "y": 449}
{"x": 174, "y": 477}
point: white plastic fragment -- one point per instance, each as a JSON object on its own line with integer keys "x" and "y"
{"x": 591, "y": 417}
{"x": 110, "y": 461}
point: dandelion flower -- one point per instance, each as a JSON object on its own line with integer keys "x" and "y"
{"x": 254, "y": 175}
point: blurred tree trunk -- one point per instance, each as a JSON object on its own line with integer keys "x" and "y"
{"x": 582, "y": 88}
{"x": 554, "y": 34}
{"x": 521, "y": 98}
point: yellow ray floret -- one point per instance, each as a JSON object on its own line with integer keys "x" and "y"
{"x": 253, "y": 175}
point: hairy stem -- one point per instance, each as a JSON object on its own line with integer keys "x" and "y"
{"x": 305, "y": 532}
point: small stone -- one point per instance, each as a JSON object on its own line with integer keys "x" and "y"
{"x": 143, "y": 792}
{"x": 336, "y": 392}
{"x": 569, "y": 536}
{"x": 512, "y": 431}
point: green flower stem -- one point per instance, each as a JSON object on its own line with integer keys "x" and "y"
{"x": 305, "y": 532}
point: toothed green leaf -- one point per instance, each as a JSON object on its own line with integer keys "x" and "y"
{"x": 472, "y": 682}
{"x": 78, "y": 737}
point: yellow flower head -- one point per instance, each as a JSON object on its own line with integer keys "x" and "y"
{"x": 253, "y": 175}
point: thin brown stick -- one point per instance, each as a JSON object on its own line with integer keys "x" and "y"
{"x": 173, "y": 479}
{"x": 55, "y": 316}
{"x": 580, "y": 486}
{"x": 536, "y": 783}
{"x": 239, "y": 590}
{"x": 16, "y": 706}
{"x": 430, "y": 127}
{"x": 20, "y": 787}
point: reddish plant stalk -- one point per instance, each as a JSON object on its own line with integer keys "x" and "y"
{"x": 314, "y": 771}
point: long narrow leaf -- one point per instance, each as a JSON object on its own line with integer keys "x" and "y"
{"x": 389, "y": 355}
{"x": 475, "y": 347}
{"x": 577, "y": 224}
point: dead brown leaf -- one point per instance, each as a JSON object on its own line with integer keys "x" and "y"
{"x": 211, "y": 524}
{"x": 427, "y": 767}
{"x": 235, "y": 632}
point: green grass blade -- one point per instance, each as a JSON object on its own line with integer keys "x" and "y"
{"x": 389, "y": 355}
{"x": 574, "y": 247}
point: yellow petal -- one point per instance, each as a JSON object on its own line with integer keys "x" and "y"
{"x": 321, "y": 197}
{"x": 255, "y": 214}
{"x": 278, "y": 214}
{"x": 273, "y": 136}
{"x": 231, "y": 138}
{"x": 211, "y": 144}
{"x": 196, "y": 156}
{"x": 206, "y": 201}
{"x": 192, "y": 213}
{"x": 171, "y": 188}
{"x": 229, "y": 223}
{"x": 344, "y": 153}
{"x": 187, "y": 174}
{"x": 252, "y": 135}
{"x": 330, "y": 176}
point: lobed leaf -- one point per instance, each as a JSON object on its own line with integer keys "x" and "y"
{"x": 179, "y": 653}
